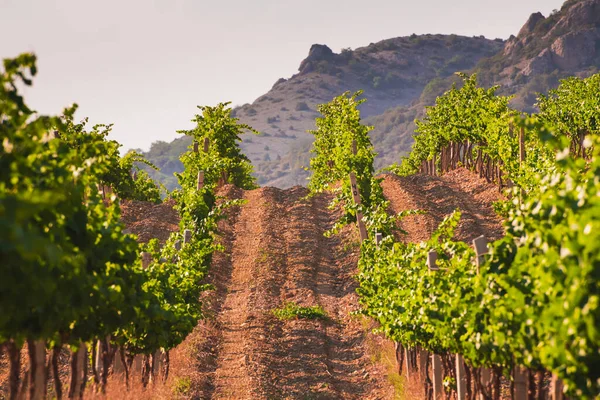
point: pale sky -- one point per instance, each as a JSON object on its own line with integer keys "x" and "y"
{"x": 144, "y": 65}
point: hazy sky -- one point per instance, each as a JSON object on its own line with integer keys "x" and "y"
{"x": 144, "y": 65}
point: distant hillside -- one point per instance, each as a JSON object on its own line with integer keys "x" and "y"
{"x": 545, "y": 50}
{"x": 392, "y": 72}
{"x": 400, "y": 77}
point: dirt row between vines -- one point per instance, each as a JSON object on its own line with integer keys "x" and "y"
{"x": 274, "y": 252}
{"x": 439, "y": 196}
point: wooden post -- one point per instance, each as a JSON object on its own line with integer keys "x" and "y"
{"x": 200, "y": 183}
{"x": 354, "y": 187}
{"x": 481, "y": 249}
{"x": 118, "y": 367}
{"x": 82, "y": 365}
{"x": 195, "y": 147}
{"x": 432, "y": 257}
{"x": 354, "y": 147}
{"x": 78, "y": 359}
{"x": 206, "y": 143}
{"x": 480, "y": 245}
{"x": 522, "y": 145}
{"x": 522, "y": 154}
{"x": 438, "y": 384}
{"x": 146, "y": 259}
{"x": 461, "y": 378}
{"x": 485, "y": 377}
{"x": 37, "y": 388}
{"x": 423, "y": 356}
{"x": 378, "y": 238}
{"x": 556, "y": 388}
{"x": 157, "y": 365}
{"x": 520, "y": 379}
{"x": 407, "y": 361}
{"x": 177, "y": 249}
{"x": 359, "y": 217}
{"x": 224, "y": 177}
{"x": 98, "y": 361}
{"x": 362, "y": 229}
{"x": 436, "y": 361}
{"x": 187, "y": 236}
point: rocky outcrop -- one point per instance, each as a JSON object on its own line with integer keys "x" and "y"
{"x": 401, "y": 76}
{"x": 512, "y": 45}
{"x": 530, "y": 24}
{"x": 576, "y": 16}
{"x": 575, "y": 49}
{"x": 317, "y": 53}
{"x": 565, "y": 41}
{"x": 279, "y": 82}
{"x": 542, "y": 64}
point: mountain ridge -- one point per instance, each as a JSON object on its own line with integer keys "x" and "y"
{"x": 400, "y": 77}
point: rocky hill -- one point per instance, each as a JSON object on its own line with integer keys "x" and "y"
{"x": 400, "y": 77}
{"x": 545, "y": 50}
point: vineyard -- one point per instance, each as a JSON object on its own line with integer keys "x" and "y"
{"x": 469, "y": 270}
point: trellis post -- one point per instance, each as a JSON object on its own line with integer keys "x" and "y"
{"x": 438, "y": 384}
{"x": 187, "y": 236}
{"x": 522, "y": 154}
{"x": 200, "y": 182}
{"x": 480, "y": 245}
{"x": 556, "y": 388}
{"x": 432, "y": 257}
{"x": 436, "y": 360}
{"x": 461, "y": 378}
{"x": 146, "y": 259}
{"x": 378, "y": 238}
{"x": 359, "y": 216}
{"x": 520, "y": 379}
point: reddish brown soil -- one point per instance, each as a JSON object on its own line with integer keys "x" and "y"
{"x": 440, "y": 196}
{"x": 275, "y": 252}
{"x": 148, "y": 220}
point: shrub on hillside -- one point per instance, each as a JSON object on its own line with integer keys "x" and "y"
{"x": 302, "y": 106}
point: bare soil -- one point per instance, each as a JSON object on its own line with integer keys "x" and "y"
{"x": 148, "y": 220}
{"x": 439, "y": 196}
{"x": 275, "y": 252}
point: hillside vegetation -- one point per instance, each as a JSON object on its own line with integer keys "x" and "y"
{"x": 400, "y": 77}
{"x": 262, "y": 293}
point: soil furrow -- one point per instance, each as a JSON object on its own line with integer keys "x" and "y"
{"x": 439, "y": 197}
{"x": 319, "y": 359}
{"x": 299, "y": 359}
{"x": 354, "y": 375}
{"x": 240, "y": 318}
